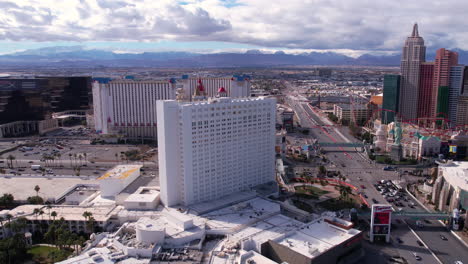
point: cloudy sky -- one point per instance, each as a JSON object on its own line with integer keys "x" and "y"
{"x": 347, "y": 26}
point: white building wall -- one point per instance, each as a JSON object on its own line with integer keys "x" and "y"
{"x": 129, "y": 107}
{"x": 211, "y": 149}
{"x": 169, "y": 151}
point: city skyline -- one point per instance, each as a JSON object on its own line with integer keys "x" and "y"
{"x": 220, "y": 26}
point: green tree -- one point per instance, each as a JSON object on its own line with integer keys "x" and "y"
{"x": 37, "y": 189}
{"x": 6, "y": 200}
{"x": 35, "y": 200}
{"x": 13, "y": 249}
{"x": 322, "y": 170}
{"x": 345, "y": 191}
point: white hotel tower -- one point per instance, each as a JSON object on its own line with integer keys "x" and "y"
{"x": 128, "y": 107}
{"x": 212, "y": 148}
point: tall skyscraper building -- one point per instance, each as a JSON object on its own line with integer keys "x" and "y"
{"x": 212, "y": 148}
{"x": 425, "y": 93}
{"x": 444, "y": 60}
{"x": 414, "y": 53}
{"x": 462, "y": 103}
{"x": 391, "y": 93}
{"x": 457, "y": 74}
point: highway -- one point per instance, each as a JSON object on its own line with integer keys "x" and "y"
{"x": 359, "y": 170}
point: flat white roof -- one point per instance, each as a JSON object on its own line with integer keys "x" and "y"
{"x": 316, "y": 237}
{"x": 51, "y": 187}
{"x": 69, "y": 213}
{"x": 456, "y": 174}
{"x": 143, "y": 194}
{"x": 241, "y": 214}
{"x": 254, "y": 257}
{"x": 120, "y": 172}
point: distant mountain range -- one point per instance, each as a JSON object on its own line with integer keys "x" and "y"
{"x": 76, "y": 56}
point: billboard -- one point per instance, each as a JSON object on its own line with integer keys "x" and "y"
{"x": 381, "y": 218}
{"x": 381, "y": 214}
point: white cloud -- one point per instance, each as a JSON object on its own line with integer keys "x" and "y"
{"x": 293, "y": 24}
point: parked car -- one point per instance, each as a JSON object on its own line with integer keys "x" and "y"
{"x": 443, "y": 237}
{"x": 399, "y": 240}
{"x": 420, "y": 243}
{"x": 416, "y": 256}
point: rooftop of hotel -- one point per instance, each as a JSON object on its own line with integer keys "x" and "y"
{"x": 252, "y": 257}
{"x": 120, "y": 172}
{"x": 69, "y": 213}
{"x": 143, "y": 194}
{"x": 229, "y": 218}
{"x": 102, "y": 255}
{"x": 316, "y": 237}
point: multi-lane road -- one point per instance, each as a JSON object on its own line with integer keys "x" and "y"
{"x": 360, "y": 170}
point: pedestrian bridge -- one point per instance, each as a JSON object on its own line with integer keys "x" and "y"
{"x": 421, "y": 215}
{"x": 341, "y": 144}
{"x": 416, "y": 215}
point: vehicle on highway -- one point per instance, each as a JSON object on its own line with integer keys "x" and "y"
{"x": 420, "y": 243}
{"x": 35, "y": 166}
{"x": 399, "y": 240}
{"x": 419, "y": 224}
{"x": 398, "y": 221}
{"x": 443, "y": 237}
{"x": 397, "y": 259}
{"x": 31, "y": 161}
{"x": 416, "y": 256}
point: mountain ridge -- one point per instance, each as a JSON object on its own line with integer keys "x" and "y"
{"x": 79, "y": 56}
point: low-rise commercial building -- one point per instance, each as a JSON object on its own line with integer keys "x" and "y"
{"x": 117, "y": 178}
{"x": 145, "y": 198}
{"x": 450, "y": 190}
{"x": 347, "y": 113}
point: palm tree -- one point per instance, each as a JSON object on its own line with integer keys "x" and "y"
{"x": 59, "y": 158}
{"x": 87, "y": 215}
{"x": 116, "y": 157}
{"x": 70, "y": 156}
{"x": 36, "y": 189}
{"x": 11, "y": 158}
{"x": 36, "y": 213}
{"x": 78, "y": 171}
{"x": 48, "y": 206}
{"x": 74, "y": 158}
{"x": 3, "y": 226}
{"x": 53, "y": 214}
{"x": 85, "y": 157}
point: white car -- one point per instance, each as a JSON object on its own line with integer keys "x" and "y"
{"x": 416, "y": 256}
